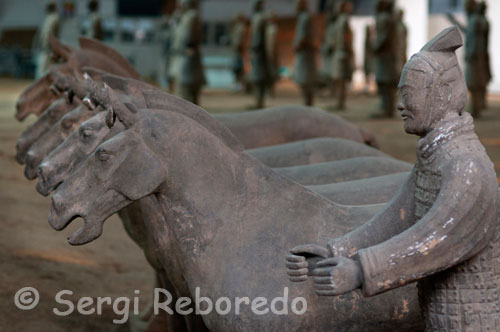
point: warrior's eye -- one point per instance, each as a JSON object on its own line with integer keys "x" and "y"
{"x": 103, "y": 156}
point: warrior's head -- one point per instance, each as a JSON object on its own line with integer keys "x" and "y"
{"x": 188, "y": 4}
{"x": 481, "y": 8}
{"x": 300, "y": 6}
{"x": 470, "y": 6}
{"x": 257, "y": 6}
{"x": 345, "y": 7}
{"x": 432, "y": 85}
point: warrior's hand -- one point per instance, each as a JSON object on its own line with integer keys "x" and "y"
{"x": 337, "y": 276}
{"x": 302, "y": 261}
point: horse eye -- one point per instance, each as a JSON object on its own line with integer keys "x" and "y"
{"x": 67, "y": 124}
{"x": 87, "y": 133}
{"x": 103, "y": 156}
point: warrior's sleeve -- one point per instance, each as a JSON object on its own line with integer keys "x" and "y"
{"x": 459, "y": 225}
{"x": 382, "y": 226}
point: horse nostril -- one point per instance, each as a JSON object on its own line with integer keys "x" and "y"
{"x": 19, "y": 104}
{"x": 30, "y": 156}
{"x": 43, "y": 169}
{"x": 57, "y": 204}
{"x": 19, "y": 144}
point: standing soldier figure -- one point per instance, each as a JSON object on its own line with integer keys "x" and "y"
{"x": 272, "y": 50}
{"x": 237, "y": 44}
{"x": 343, "y": 54}
{"x": 385, "y": 51}
{"x": 42, "y": 45}
{"x": 441, "y": 229}
{"x": 260, "y": 75}
{"x": 368, "y": 58}
{"x": 327, "y": 49}
{"x": 402, "y": 33}
{"x": 477, "y": 72}
{"x": 191, "y": 74}
{"x": 176, "y": 51}
{"x": 305, "y": 62}
{"x": 95, "y": 29}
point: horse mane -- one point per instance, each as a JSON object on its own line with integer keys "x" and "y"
{"x": 156, "y": 99}
{"x": 99, "y": 47}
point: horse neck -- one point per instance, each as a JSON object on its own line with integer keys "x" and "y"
{"x": 102, "y": 61}
{"x": 224, "y": 193}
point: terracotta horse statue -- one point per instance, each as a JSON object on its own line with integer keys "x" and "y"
{"x": 35, "y": 99}
{"x": 228, "y": 220}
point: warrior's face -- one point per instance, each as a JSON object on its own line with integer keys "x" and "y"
{"x": 412, "y": 102}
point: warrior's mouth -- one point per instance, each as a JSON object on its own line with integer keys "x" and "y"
{"x": 405, "y": 116}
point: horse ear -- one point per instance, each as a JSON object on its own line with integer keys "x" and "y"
{"x": 125, "y": 112}
{"x": 59, "y": 49}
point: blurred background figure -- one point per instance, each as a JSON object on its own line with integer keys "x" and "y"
{"x": 260, "y": 75}
{"x": 95, "y": 29}
{"x": 272, "y": 51}
{"x": 237, "y": 40}
{"x": 343, "y": 53}
{"x": 191, "y": 73}
{"x": 165, "y": 38}
{"x": 469, "y": 8}
{"x": 305, "y": 63}
{"x": 42, "y": 48}
{"x": 402, "y": 39}
{"x": 327, "y": 48}
{"x": 477, "y": 70}
{"x": 368, "y": 57}
{"x": 176, "y": 49}
{"x": 386, "y": 56}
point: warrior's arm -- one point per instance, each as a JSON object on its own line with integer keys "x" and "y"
{"x": 392, "y": 220}
{"x": 459, "y": 225}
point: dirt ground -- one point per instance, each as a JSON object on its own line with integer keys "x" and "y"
{"x": 33, "y": 254}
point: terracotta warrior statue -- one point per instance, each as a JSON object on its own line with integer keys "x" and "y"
{"x": 477, "y": 72}
{"x": 50, "y": 27}
{"x": 385, "y": 52}
{"x": 260, "y": 75}
{"x": 191, "y": 73}
{"x": 95, "y": 29}
{"x": 343, "y": 54}
{"x": 305, "y": 63}
{"x": 441, "y": 229}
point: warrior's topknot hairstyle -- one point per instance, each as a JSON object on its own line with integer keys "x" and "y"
{"x": 438, "y": 61}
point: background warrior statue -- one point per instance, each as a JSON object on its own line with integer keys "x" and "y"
{"x": 441, "y": 229}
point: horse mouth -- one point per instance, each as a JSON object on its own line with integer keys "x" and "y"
{"x": 43, "y": 187}
{"x": 59, "y": 219}
{"x": 30, "y": 172}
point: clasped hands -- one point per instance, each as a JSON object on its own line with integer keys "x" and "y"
{"x": 331, "y": 275}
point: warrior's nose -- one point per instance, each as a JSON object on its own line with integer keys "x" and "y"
{"x": 400, "y": 107}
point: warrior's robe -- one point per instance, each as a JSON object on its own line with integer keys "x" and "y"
{"x": 442, "y": 230}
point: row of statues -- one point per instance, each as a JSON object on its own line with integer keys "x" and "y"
{"x": 385, "y": 51}
{"x": 120, "y": 145}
